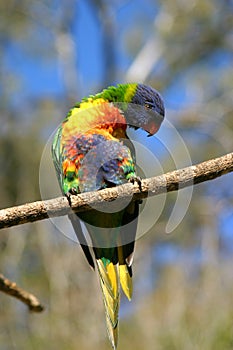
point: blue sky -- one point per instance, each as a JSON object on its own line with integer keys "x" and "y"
{"x": 42, "y": 76}
{"x": 88, "y": 32}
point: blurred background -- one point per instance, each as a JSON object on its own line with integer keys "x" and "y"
{"x": 53, "y": 53}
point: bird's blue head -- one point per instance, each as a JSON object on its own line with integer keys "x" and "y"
{"x": 146, "y": 109}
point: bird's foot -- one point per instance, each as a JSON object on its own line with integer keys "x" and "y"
{"x": 72, "y": 191}
{"x": 136, "y": 179}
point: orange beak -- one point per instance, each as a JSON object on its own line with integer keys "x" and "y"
{"x": 152, "y": 128}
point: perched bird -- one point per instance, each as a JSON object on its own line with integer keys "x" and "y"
{"x": 91, "y": 151}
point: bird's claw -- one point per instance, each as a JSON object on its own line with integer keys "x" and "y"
{"x": 68, "y": 194}
{"x": 136, "y": 179}
{"x": 72, "y": 191}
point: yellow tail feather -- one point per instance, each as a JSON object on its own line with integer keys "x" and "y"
{"x": 109, "y": 282}
{"x": 111, "y": 306}
{"x": 126, "y": 281}
{"x": 112, "y": 333}
{"x": 110, "y": 276}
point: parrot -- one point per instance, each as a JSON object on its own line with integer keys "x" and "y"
{"x": 92, "y": 151}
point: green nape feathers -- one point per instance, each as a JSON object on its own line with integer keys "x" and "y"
{"x": 119, "y": 93}
{"x": 91, "y": 151}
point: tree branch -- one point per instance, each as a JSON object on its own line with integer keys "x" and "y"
{"x": 12, "y": 289}
{"x": 168, "y": 182}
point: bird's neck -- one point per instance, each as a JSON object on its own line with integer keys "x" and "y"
{"x": 120, "y": 93}
{"x": 95, "y": 116}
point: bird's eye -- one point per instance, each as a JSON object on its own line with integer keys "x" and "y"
{"x": 148, "y": 105}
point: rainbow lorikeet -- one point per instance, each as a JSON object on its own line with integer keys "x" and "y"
{"x": 91, "y": 151}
